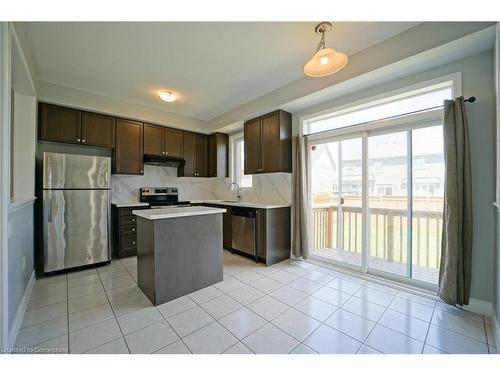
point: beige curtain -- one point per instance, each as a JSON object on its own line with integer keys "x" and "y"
{"x": 300, "y": 202}
{"x": 455, "y": 267}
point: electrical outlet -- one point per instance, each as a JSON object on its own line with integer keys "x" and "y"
{"x": 24, "y": 262}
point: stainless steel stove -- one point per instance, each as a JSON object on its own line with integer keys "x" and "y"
{"x": 162, "y": 197}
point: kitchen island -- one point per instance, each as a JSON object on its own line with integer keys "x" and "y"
{"x": 179, "y": 251}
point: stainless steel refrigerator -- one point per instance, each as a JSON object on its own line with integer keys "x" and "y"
{"x": 76, "y": 210}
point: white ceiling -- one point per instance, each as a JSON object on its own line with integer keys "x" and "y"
{"x": 214, "y": 66}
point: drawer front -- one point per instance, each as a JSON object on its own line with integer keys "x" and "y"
{"x": 128, "y": 243}
{"x": 128, "y": 220}
{"x": 126, "y": 211}
{"x": 126, "y": 230}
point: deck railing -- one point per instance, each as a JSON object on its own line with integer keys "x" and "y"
{"x": 387, "y": 233}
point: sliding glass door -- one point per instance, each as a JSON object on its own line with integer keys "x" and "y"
{"x": 388, "y": 202}
{"x": 377, "y": 200}
{"x": 336, "y": 187}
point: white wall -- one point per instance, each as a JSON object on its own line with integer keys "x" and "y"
{"x": 23, "y": 147}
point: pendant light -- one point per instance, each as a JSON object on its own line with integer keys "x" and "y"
{"x": 325, "y": 61}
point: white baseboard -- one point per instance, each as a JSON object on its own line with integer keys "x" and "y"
{"x": 21, "y": 310}
{"x": 480, "y": 306}
{"x": 496, "y": 326}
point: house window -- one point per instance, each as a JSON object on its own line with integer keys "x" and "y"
{"x": 238, "y": 162}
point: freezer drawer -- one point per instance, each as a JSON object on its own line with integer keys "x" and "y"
{"x": 76, "y": 228}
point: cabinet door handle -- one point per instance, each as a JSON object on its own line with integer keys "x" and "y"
{"x": 133, "y": 220}
{"x": 142, "y": 171}
{"x": 78, "y": 139}
{"x": 133, "y": 242}
{"x": 133, "y": 229}
{"x": 166, "y": 153}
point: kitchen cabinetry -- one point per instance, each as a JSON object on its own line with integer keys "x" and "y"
{"x": 153, "y": 140}
{"x": 218, "y": 145}
{"x": 273, "y": 235}
{"x": 128, "y": 152}
{"x": 67, "y": 125}
{"x": 205, "y": 156}
{"x": 162, "y": 141}
{"x": 59, "y": 124}
{"x": 272, "y": 232}
{"x": 124, "y": 233}
{"x": 173, "y": 142}
{"x": 195, "y": 155}
{"x": 98, "y": 130}
{"x": 268, "y": 143}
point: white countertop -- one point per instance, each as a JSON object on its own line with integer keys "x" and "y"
{"x": 173, "y": 212}
{"x": 130, "y": 204}
{"x": 244, "y": 204}
{"x": 264, "y": 206}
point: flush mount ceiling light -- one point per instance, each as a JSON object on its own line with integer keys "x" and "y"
{"x": 325, "y": 61}
{"x": 167, "y": 96}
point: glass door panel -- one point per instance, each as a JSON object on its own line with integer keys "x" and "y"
{"x": 336, "y": 184}
{"x": 388, "y": 203}
{"x": 351, "y": 200}
{"x": 325, "y": 195}
{"x": 428, "y": 202}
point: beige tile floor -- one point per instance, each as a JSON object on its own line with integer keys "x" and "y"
{"x": 291, "y": 307}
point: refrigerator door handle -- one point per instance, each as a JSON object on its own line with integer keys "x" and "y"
{"x": 49, "y": 209}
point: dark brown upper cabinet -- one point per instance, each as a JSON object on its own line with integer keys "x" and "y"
{"x": 173, "y": 142}
{"x": 218, "y": 165}
{"x": 268, "y": 143}
{"x": 98, "y": 130}
{"x": 153, "y": 140}
{"x": 195, "y": 155}
{"x": 128, "y": 152}
{"x": 67, "y": 125}
{"x": 160, "y": 140}
{"x": 59, "y": 124}
{"x": 201, "y": 155}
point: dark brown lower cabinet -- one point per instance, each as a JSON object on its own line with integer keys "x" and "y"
{"x": 124, "y": 231}
{"x": 273, "y": 233}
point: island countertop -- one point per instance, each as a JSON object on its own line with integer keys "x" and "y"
{"x": 168, "y": 213}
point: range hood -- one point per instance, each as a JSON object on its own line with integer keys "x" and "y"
{"x": 164, "y": 160}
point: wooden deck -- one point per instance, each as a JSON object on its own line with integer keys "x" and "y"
{"x": 429, "y": 275}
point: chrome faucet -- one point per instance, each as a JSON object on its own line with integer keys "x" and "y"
{"x": 238, "y": 196}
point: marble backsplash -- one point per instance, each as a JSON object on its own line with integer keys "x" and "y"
{"x": 272, "y": 188}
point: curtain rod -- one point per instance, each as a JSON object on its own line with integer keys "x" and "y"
{"x": 472, "y": 99}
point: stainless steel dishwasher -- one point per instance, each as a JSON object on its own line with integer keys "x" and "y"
{"x": 243, "y": 229}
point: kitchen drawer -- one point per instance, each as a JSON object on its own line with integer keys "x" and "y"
{"x": 128, "y": 220}
{"x": 128, "y": 242}
{"x": 128, "y": 230}
{"x": 126, "y": 211}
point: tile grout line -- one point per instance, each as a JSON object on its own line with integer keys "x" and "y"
{"x": 428, "y": 329}
{"x": 114, "y": 314}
